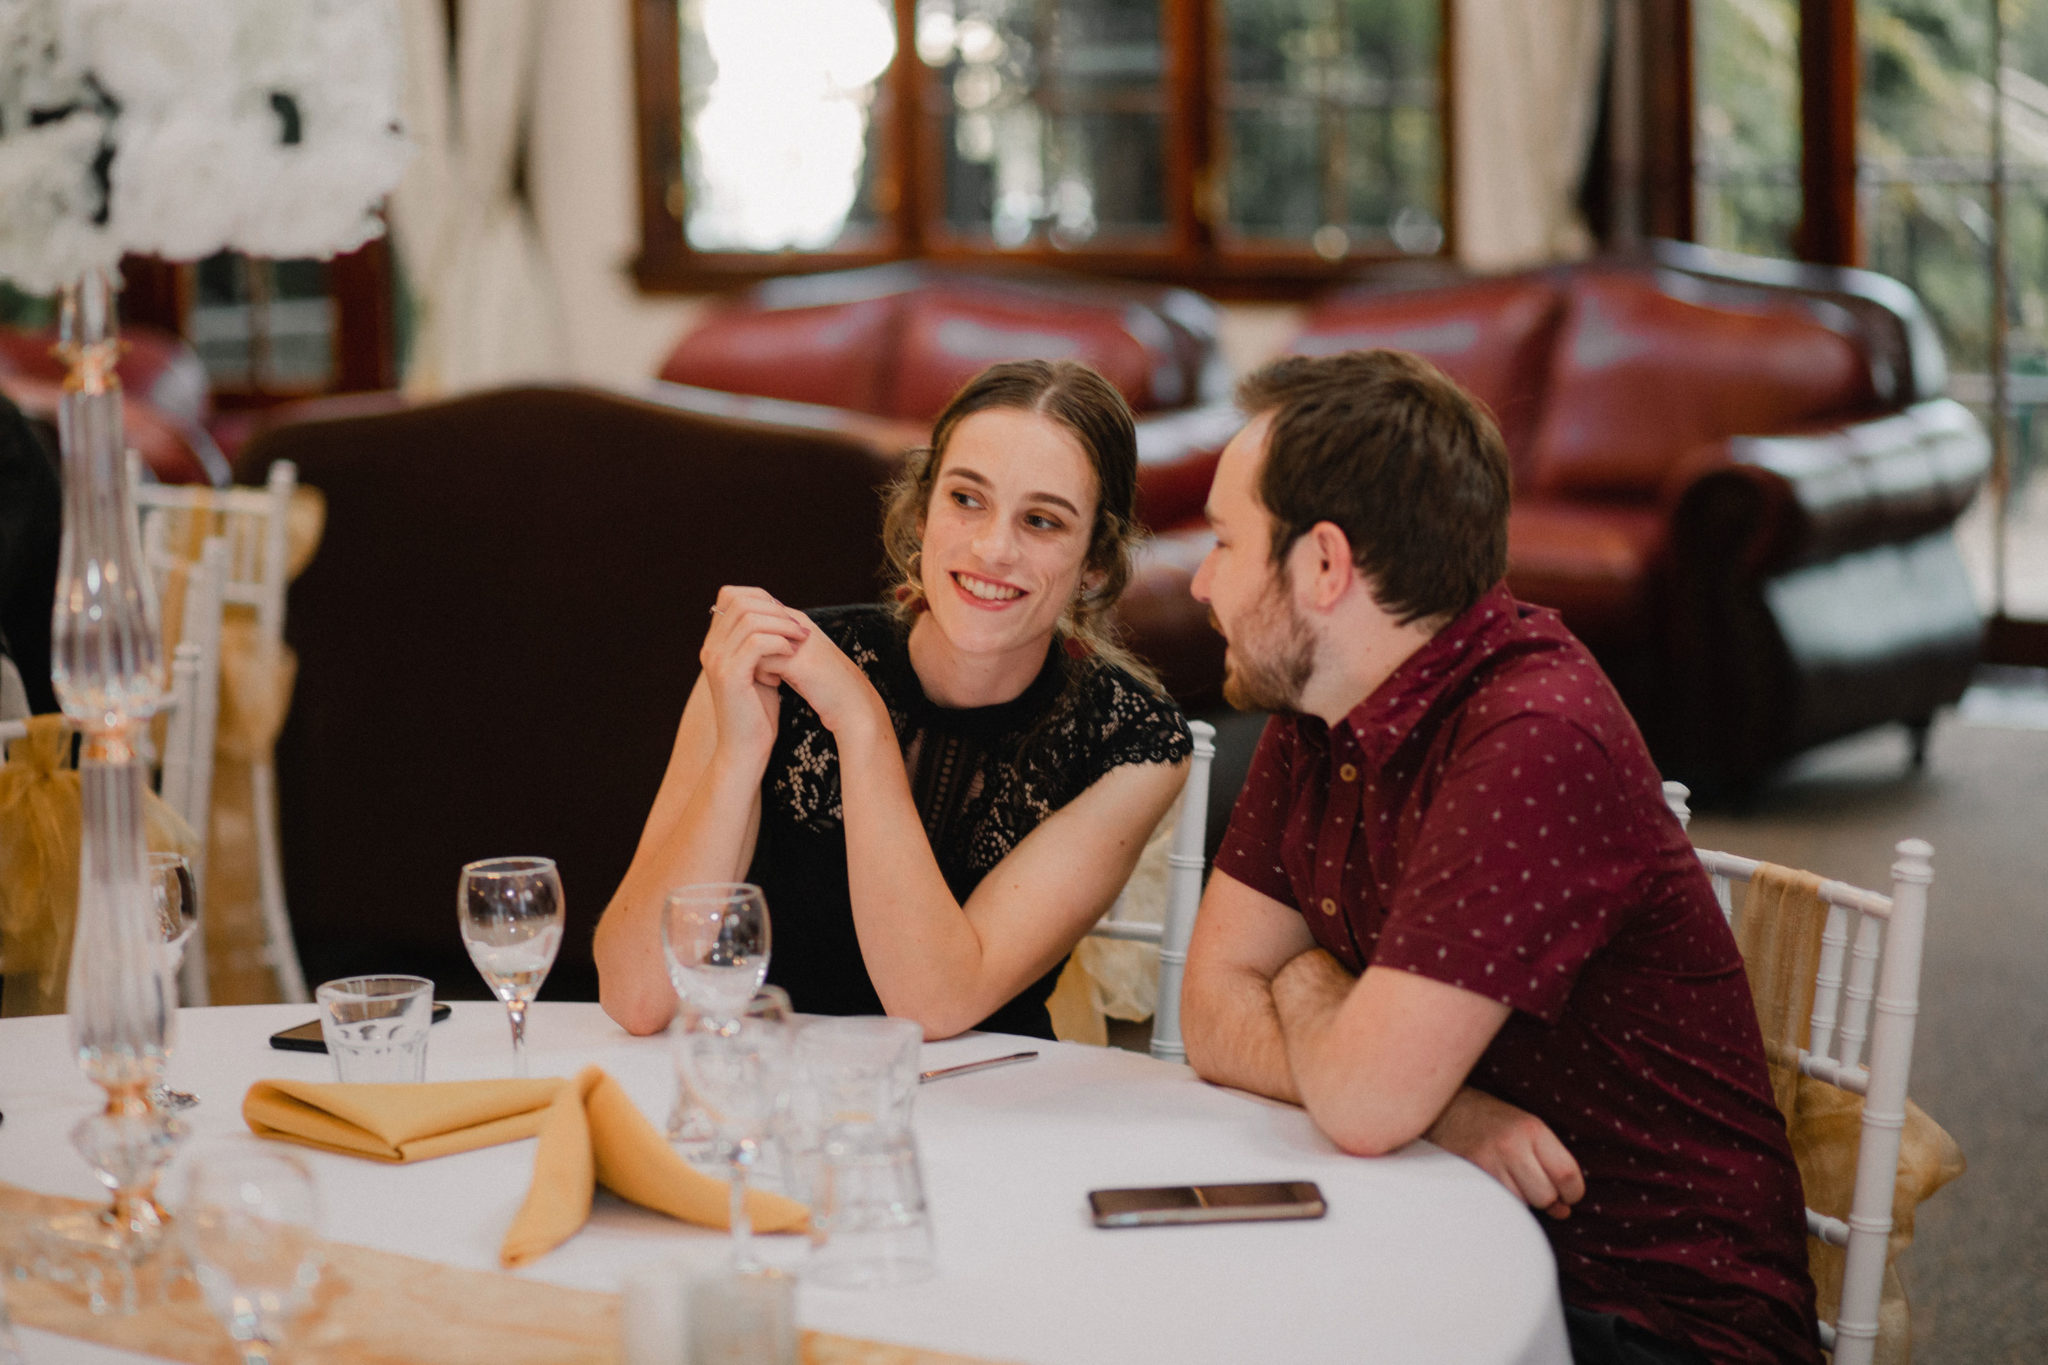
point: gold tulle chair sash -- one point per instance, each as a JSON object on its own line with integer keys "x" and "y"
{"x": 1779, "y": 933}
{"x": 40, "y": 820}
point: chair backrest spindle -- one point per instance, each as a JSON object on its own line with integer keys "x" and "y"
{"x": 1185, "y": 863}
{"x": 1882, "y": 989}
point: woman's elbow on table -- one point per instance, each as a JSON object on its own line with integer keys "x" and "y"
{"x": 636, "y": 1001}
{"x": 635, "y": 1007}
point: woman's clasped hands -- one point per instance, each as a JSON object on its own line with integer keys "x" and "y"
{"x": 756, "y": 644}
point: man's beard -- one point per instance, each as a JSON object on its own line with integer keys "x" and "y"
{"x": 1269, "y": 665}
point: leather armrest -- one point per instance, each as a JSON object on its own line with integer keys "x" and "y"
{"x": 1166, "y": 627}
{"x": 1773, "y": 502}
{"x": 889, "y": 434}
{"x": 1177, "y": 455}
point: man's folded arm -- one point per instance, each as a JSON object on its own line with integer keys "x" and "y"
{"x": 1242, "y": 939}
{"x": 1376, "y": 1060}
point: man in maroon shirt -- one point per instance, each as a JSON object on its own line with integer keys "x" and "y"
{"x": 1451, "y": 902}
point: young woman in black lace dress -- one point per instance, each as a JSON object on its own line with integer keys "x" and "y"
{"x": 941, "y": 795}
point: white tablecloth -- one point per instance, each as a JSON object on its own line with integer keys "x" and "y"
{"x": 1421, "y": 1257}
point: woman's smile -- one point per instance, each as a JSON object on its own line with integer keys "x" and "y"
{"x": 987, "y": 592}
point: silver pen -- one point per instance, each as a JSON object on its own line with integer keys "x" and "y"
{"x": 984, "y": 1064}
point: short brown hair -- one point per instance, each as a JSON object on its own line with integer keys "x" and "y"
{"x": 1405, "y": 463}
{"x": 1096, "y": 415}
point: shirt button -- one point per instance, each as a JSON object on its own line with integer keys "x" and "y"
{"x": 1348, "y": 772}
{"x": 1329, "y": 906}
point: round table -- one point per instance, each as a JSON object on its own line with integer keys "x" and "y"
{"x": 1421, "y": 1257}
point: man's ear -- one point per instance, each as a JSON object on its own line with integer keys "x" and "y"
{"x": 1321, "y": 566}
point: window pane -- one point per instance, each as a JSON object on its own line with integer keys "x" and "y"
{"x": 1746, "y": 124}
{"x": 782, "y": 129}
{"x": 266, "y": 326}
{"x": 1331, "y": 112}
{"x": 1050, "y": 119}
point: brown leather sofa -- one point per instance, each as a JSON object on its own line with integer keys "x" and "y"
{"x": 1735, "y": 479}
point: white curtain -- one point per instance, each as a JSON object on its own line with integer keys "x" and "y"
{"x": 1527, "y": 87}
{"x": 487, "y": 312}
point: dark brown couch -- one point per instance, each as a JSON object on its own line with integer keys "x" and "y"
{"x": 499, "y": 631}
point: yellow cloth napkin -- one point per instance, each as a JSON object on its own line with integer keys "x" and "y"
{"x": 590, "y": 1133}
{"x": 1779, "y": 935}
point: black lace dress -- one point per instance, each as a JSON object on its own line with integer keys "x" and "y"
{"x": 982, "y": 777}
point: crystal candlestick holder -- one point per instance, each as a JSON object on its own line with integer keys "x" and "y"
{"x": 105, "y": 665}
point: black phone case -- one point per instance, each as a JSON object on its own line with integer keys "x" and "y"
{"x": 306, "y": 1037}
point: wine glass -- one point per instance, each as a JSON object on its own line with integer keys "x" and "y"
{"x": 176, "y": 898}
{"x": 740, "y": 1070}
{"x": 715, "y": 937}
{"x": 511, "y": 911}
{"x": 249, "y": 1226}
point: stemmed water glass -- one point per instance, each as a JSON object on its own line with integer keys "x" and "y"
{"x": 176, "y": 898}
{"x": 511, "y": 911}
{"x": 715, "y": 937}
{"x": 740, "y": 1070}
{"x": 249, "y": 1226}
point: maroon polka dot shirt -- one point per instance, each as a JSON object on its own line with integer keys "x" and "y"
{"x": 1489, "y": 818}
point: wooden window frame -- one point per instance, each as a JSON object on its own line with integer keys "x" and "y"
{"x": 1191, "y": 255}
{"x": 365, "y": 333}
{"x": 1830, "y": 230}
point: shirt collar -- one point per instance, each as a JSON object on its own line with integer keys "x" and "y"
{"x": 1398, "y": 705}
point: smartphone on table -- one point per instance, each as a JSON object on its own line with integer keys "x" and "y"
{"x": 307, "y": 1038}
{"x": 1247, "y": 1203}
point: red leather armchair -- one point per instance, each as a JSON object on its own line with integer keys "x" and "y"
{"x": 1736, "y": 479}
{"x": 897, "y": 341}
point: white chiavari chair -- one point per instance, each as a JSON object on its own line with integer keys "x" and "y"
{"x": 1185, "y": 863}
{"x": 185, "y": 775}
{"x": 254, "y": 522}
{"x": 1869, "y": 965}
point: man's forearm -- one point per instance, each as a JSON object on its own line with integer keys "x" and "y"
{"x": 1233, "y": 1035}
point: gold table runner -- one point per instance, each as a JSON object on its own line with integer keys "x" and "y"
{"x": 380, "y": 1308}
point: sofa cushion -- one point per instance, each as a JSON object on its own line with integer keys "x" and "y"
{"x": 1492, "y": 336}
{"x": 1638, "y": 378}
{"x": 1590, "y": 561}
{"x": 953, "y": 331}
{"x": 837, "y": 354}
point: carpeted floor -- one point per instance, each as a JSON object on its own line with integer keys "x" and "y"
{"x": 1977, "y": 1273}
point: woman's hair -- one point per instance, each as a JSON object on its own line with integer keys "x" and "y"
{"x": 1096, "y": 416}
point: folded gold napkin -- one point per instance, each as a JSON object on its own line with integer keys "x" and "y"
{"x": 590, "y": 1133}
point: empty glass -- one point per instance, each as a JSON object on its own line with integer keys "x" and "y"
{"x": 176, "y": 897}
{"x": 715, "y": 937}
{"x": 870, "y": 1209}
{"x": 376, "y": 1027}
{"x": 742, "y": 1319}
{"x": 739, "y": 1070}
{"x": 860, "y": 1069}
{"x": 511, "y": 912}
{"x": 857, "y": 1083}
{"x": 249, "y": 1226}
